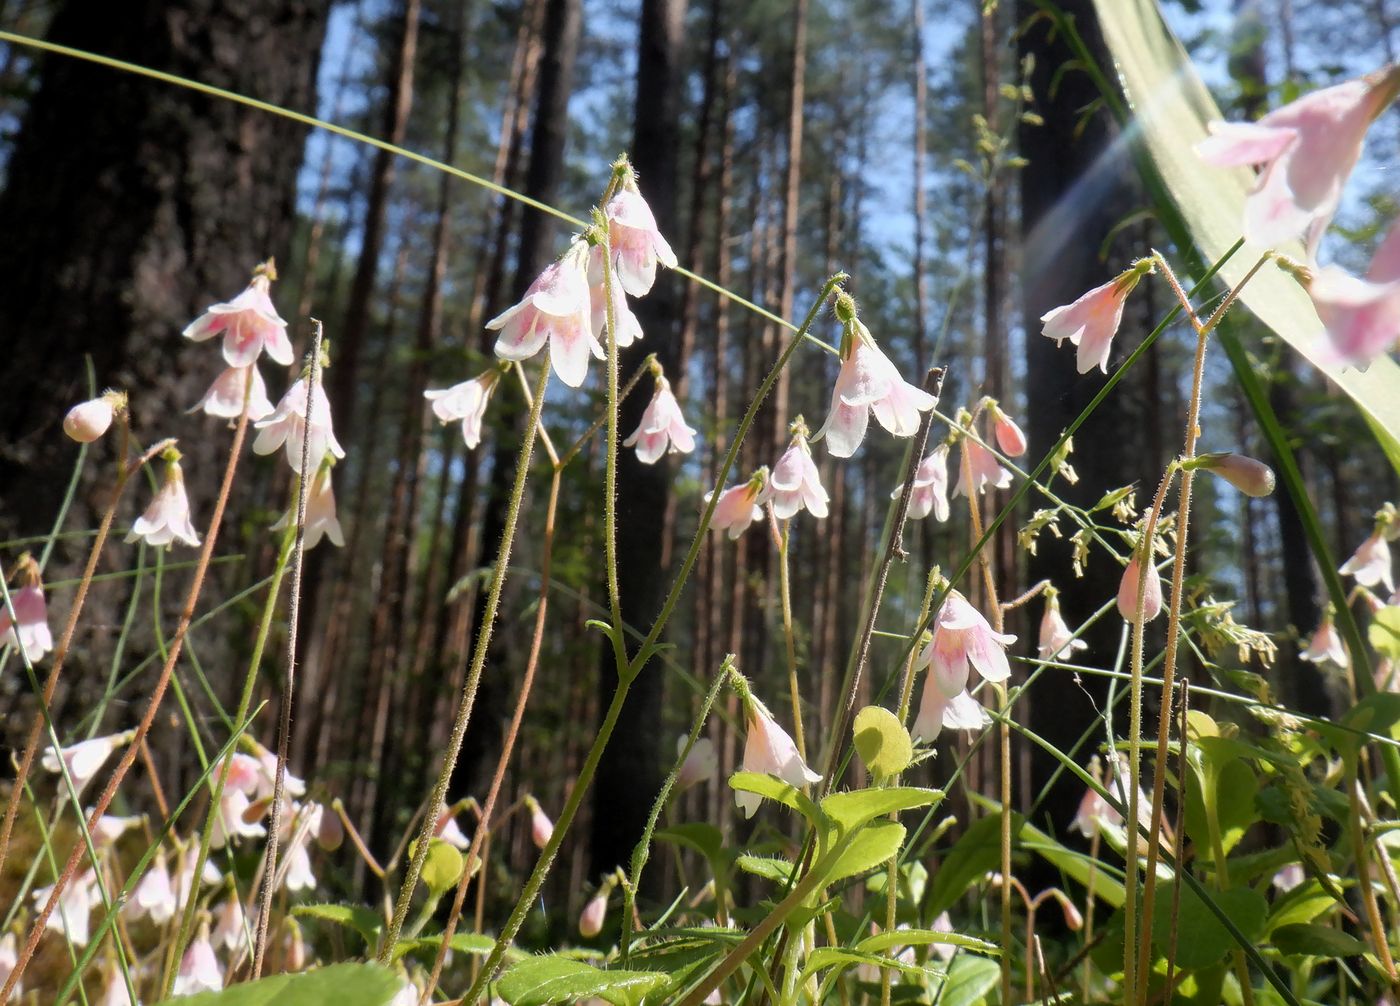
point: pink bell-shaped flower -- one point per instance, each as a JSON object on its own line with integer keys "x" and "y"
{"x": 224, "y": 398}
{"x": 700, "y": 765}
{"x": 167, "y": 519}
{"x": 199, "y": 968}
{"x": 1056, "y": 640}
{"x": 1306, "y": 150}
{"x": 287, "y": 423}
{"x": 795, "y": 482}
{"x": 636, "y": 243}
{"x": 869, "y": 382}
{"x": 1009, "y": 436}
{"x": 769, "y": 750}
{"x": 984, "y": 468}
{"x": 738, "y": 506}
{"x": 662, "y": 428}
{"x": 961, "y": 636}
{"x": 594, "y": 914}
{"x": 1325, "y": 645}
{"x": 1370, "y": 563}
{"x": 930, "y": 492}
{"x": 154, "y": 896}
{"x": 249, "y": 324}
{"x": 556, "y": 308}
{"x": 1361, "y": 316}
{"x": 628, "y": 328}
{"x": 30, "y": 630}
{"x": 938, "y": 711}
{"x": 72, "y": 913}
{"x": 1092, "y": 321}
{"x": 541, "y": 827}
{"x": 231, "y": 927}
{"x": 321, "y": 519}
{"x": 466, "y": 402}
{"x": 449, "y": 831}
{"x": 86, "y": 758}
{"x": 1128, "y": 591}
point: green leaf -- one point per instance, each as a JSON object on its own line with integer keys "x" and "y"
{"x": 537, "y": 981}
{"x": 1302, "y": 904}
{"x": 768, "y": 867}
{"x": 923, "y": 937}
{"x": 1309, "y": 940}
{"x": 1172, "y": 107}
{"x": 365, "y": 921}
{"x": 872, "y": 846}
{"x": 465, "y": 943}
{"x": 442, "y": 868}
{"x": 842, "y": 959}
{"x": 970, "y": 981}
{"x": 704, "y": 838}
{"x": 1075, "y": 865}
{"x": 1201, "y": 939}
{"x": 773, "y": 788}
{"x": 882, "y": 742}
{"x": 342, "y": 984}
{"x": 1384, "y": 632}
{"x": 851, "y": 810}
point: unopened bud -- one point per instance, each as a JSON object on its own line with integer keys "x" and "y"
{"x": 87, "y": 421}
{"x": 594, "y": 914}
{"x": 1151, "y": 591}
{"x": 1251, "y": 477}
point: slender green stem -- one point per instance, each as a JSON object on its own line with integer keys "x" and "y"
{"x": 469, "y": 687}
{"x": 610, "y": 464}
{"x": 643, "y": 850}
{"x": 781, "y": 538}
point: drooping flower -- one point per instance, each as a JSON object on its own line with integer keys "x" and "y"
{"x": 930, "y": 491}
{"x": 230, "y": 923}
{"x": 636, "y": 243}
{"x": 795, "y": 482}
{"x": 321, "y": 519}
{"x": 75, "y": 905}
{"x": 1096, "y": 813}
{"x": 448, "y": 830}
{"x": 9, "y": 957}
{"x": 231, "y": 822}
{"x": 768, "y": 749}
{"x": 869, "y": 382}
{"x": 662, "y": 428}
{"x": 627, "y": 329}
{"x": 1092, "y": 321}
{"x": 984, "y": 468}
{"x": 87, "y": 421}
{"x": 408, "y": 994}
{"x": 938, "y": 711}
{"x": 594, "y": 914}
{"x": 1360, "y": 316}
{"x": 199, "y": 968}
{"x": 110, "y": 827}
{"x": 224, "y": 398}
{"x": 1009, "y": 436}
{"x": 700, "y": 765}
{"x": 1056, "y": 639}
{"x": 1306, "y": 150}
{"x": 86, "y": 758}
{"x": 541, "y": 827}
{"x": 962, "y": 636}
{"x": 1370, "y": 563}
{"x": 287, "y": 423}
{"x": 738, "y": 507}
{"x": 30, "y": 629}
{"x": 1288, "y": 877}
{"x": 249, "y": 324}
{"x": 556, "y": 309}
{"x": 154, "y": 896}
{"x": 466, "y": 401}
{"x": 183, "y": 874}
{"x": 1128, "y": 591}
{"x": 1326, "y": 644}
{"x": 1249, "y": 476}
{"x": 167, "y": 519}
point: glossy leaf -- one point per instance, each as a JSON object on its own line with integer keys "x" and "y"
{"x": 341, "y": 984}
{"x": 537, "y": 981}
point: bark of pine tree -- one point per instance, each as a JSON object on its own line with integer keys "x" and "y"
{"x": 631, "y": 769}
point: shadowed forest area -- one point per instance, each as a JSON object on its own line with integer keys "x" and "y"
{"x": 528, "y": 659}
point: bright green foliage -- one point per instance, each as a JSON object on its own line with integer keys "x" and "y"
{"x": 341, "y": 984}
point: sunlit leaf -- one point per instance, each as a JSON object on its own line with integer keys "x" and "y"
{"x": 341, "y": 984}
{"x": 537, "y": 981}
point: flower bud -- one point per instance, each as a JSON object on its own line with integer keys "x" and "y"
{"x": 594, "y": 914}
{"x": 87, "y": 421}
{"x": 1128, "y": 591}
{"x": 541, "y": 827}
{"x": 1251, "y": 477}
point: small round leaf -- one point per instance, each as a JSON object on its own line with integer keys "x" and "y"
{"x": 882, "y": 741}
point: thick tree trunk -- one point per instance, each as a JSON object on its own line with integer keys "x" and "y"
{"x": 130, "y": 206}
{"x": 631, "y": 769}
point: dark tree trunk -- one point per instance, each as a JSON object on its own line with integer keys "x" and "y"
{"x": 1062, "y": 235}
{"x": 630, "y": 772}
{"x": 130, "y": 206}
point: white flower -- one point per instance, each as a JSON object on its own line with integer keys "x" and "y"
{"x": 287, "y": 423}
{"x": 199, "y": 969}
{"x": 768, "y": 749}
{"x": 155, "y": 894}
{"x": 795, "y": 482}
{"x": 85, "y": 759}
{"x": 224, "y": 398}
{"x": 556, "y": 308}
{"x": 75, "y": 904}
{"x": 636, "y": 243}
{"x": 249, "y": 324}
{"x": 930, "y": 492}
{"x": 1370, "y": 564}
{"x": 321, "y": 519}
{"x": 466, "y": 402}
{"x": 167, "y": 519}
{"x": 1056, "y": 639}
{"x": 662, "y": 428}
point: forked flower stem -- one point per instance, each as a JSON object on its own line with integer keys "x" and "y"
{"x": 177, "y": 644}
{"x": 469, "y": 687}
{"x": 627, "y": 673}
